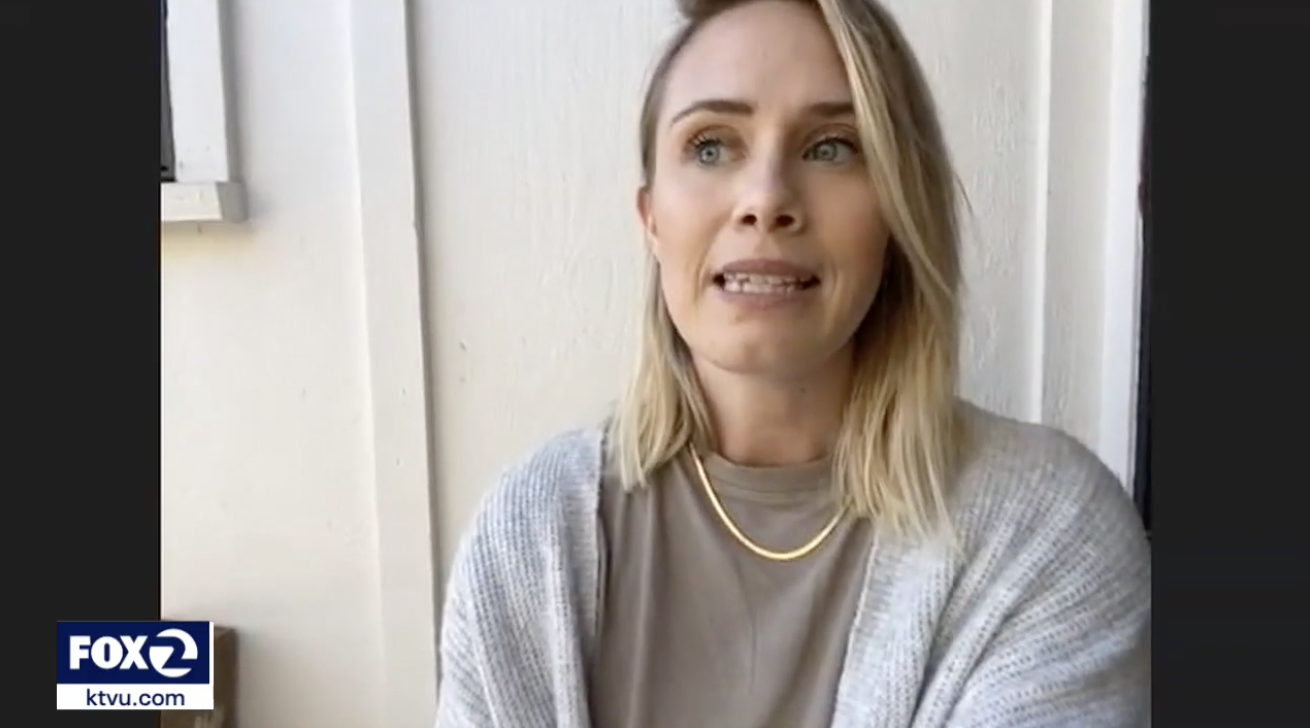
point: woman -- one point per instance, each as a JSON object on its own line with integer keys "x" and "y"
{"x": 790, "y": 519}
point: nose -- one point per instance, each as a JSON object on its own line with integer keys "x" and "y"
{"x": 769, "y": 202}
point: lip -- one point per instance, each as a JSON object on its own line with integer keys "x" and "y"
{"x": 760, "y": 301}
{"x": 768, "y": 267}
{"x": 781, "y": 300}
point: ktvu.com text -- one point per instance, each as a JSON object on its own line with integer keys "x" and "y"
{"x": 136, "y": 666}
{"x": 113, "y": 696}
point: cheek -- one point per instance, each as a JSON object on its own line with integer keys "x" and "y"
{"x": 856, "y": 237}
{"x": 684, "y": 234}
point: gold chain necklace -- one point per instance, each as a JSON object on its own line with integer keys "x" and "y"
{"x": 755, "y": 548}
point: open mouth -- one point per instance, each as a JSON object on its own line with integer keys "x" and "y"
{"x": 764, "y": 284}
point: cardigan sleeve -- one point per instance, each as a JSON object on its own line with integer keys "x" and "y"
{"x": 462, "y": 698}
{"x": 510, "y": 654}
{"x": 1076, "y": 650}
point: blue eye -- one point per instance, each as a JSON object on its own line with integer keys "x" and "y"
{"x": 831, "y": 151}
{"x": 708, "y": 151}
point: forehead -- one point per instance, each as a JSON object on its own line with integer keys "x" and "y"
{"x": 775, "y": 54}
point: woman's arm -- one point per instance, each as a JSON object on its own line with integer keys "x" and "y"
{"x": 461, "y": 695}
{"x": 511, "y": 640}
{"x": 1076, "y": 651}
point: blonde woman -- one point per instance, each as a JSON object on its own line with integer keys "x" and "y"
{"x": 790, "y": 519}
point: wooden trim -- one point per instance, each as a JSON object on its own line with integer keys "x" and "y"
{"x": 390, "y": 233}
{"x": 199, "y": 202}
{"x": 204, "y": 186}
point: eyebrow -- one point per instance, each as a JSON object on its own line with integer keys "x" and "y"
{"x": 737, "y": 107}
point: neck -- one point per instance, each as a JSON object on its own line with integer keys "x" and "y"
{"x": 763, "y": 421}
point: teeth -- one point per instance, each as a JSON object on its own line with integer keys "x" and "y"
{"x": 745, "y": 283}
{"x": 763, "y": 280}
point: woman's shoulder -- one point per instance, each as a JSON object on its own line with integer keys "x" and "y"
{"x": 521, "y": 576}
{"x": 541, "y": 506}
{"x": 544, "y": 488}
{"x": 1037, "y": 486}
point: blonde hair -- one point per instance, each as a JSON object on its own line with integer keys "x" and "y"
{"x": 899, "y": 439}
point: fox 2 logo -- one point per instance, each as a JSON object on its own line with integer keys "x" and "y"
{"x": 137, "y": 653}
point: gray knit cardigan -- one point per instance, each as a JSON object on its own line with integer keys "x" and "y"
{"x": 1041, "y": 620}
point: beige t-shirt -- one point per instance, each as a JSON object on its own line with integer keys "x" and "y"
{"x": 698, "y": 632}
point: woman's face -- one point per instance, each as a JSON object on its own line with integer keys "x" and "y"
{"x": 760, "y": 211}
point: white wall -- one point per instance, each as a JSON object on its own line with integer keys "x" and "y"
{"x": 296, "y": 432}
{"x": 293, "y": 428}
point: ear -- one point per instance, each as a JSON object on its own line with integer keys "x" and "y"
{"x": 644, "y": 214}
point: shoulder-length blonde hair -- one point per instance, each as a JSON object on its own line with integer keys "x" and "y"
{"x": 897, "y": 447}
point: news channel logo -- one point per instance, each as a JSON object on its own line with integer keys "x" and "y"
{"x": 165, "y": 665}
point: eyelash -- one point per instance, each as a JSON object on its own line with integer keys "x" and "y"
{"x": 835, "y": 138}
{"x": 701, "y": 140}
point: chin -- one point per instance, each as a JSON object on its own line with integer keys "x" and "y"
{"x": 767, "y": 358}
